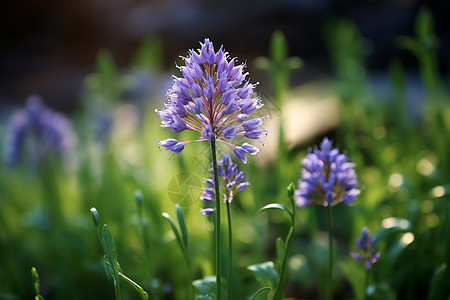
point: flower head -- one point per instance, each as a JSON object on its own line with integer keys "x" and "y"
{"x": 327, "y": 178}
{"x": 51, "y": 131}
{"x": 213, "y": 99}
{"x": 230, "y": 180}
{"x": 367, "y": 255}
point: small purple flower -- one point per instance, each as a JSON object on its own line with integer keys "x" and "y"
{"x": 207, "y": 211}
{"x": 230, "y": 180}
{"x": 327, "y": 178}
{"x": 212, "y": 99}
{"x": 367, "y": 255}
{"x": 49, "y": 132}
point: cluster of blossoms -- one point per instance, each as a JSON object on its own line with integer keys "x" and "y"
{"x": 230, "y": 180}
{"x": 51, "y": 132}
{"x": 213, "y": 99}
{"x": 327, "y": 178}
{"x": 368, "y": 254}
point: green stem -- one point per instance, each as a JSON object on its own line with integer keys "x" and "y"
{"x": 366, "y": 284}
{"x": 330, "y": 253}
{"x": 279, "y": 294}
{"x": 144, "y": 234}
{"x": 189, "y": 275}
{"x": 218, "y": 245}
{"x": 230, "y": 249}
{"x": 117, "y": 291}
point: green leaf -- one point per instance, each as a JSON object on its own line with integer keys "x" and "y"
{"x": 424, "y": 27}
{"x": 136, "y": 286}
{"x": 281, "y": 250}
{"x": 106, "y": 66}
{"x": 436, "y": 281}
{"x": 182, "y": 225}
{"x": 95, "y": 216}
{"x": 276, "y": 206}
{"x": 265, "y": 274}
{"x": 355, "y": 275}
{"x": 261, "y": 294}
{"x": 108, "y": 270}
{"x": 149, "y": 55}
{"x": 206, "y": 288}
{"x": 278, "y": 47}
{"x": 174, "y": 229}
{"x": 111, "y": 259}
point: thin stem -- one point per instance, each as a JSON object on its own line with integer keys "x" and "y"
{"x": 279, "y": 294}
{"x": 366, "y": 285}
{"x": 230, "y": 249}
{"x": 330, "y": 253}
{"x": 218, "y": 245}
{"x": 189, "y": 274}
{"x": 144, "y": 234}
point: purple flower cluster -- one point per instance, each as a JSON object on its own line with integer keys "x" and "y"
{"x": 230, "y": 180}
{"x": 51, "y": 131}
{"x": 213, "y": 99}
{"x": 327, "y": 178}
{"x": 368, "y": 254}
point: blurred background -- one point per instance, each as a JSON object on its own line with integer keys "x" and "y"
{"x": 370, "y": 75}
{"x": 48, "y": 47}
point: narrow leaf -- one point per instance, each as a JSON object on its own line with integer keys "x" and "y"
{"x": 276, "y": 206}
{"x": 265, "y": 274}
{"x": 136, "y": 286}
{"x": 436, "y": 280}
{"x": 111, "y": 258}
{"x": 182, "y": 225}
{"x": 108, "y": 270}
{"x": 261, "y": 294}
{"x": 174, "y": 229}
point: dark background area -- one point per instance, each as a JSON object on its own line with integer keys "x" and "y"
{"x": 48, "y": 46}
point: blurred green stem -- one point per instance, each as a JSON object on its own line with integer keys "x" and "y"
{"x": 366, "y": 285}
{"x": 230, "y": 249}
{"x": 189, "y": 274}
{"x": 218, "y": 243}
{"x": 279, "y": 293}
{"x": 330, "y": 253}
{"x": 144, "y": 233}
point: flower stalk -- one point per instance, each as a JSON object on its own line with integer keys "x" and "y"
{"x": 230, "y": 250}
{"x": 218, "y": 242}
{"x": 330, "y": 253}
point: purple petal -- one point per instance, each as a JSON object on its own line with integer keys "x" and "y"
{"x": 242, "y": 186}
{"x": 207, "y": 211}
{"x": 177, "y": 148}
{"x": 230, "y": 132}
{"x": 240, "y": 153}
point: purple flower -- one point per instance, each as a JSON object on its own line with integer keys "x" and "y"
{"x": 207, "y": 211}
{"x": 212, "y": 99}
{"x": 367, "y": 255}
{"x": 48, "y": 131}
{"x": 230, "y": 180}
{"x": 327, "y": 178}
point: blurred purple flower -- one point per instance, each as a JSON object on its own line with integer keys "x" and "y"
{"x": 213, "y": 99}
{"x": 51, "y": 131}
{"x": 230, "y": 180}
{"x": 327, "y": 178}
{"x": 367, "y": 255}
